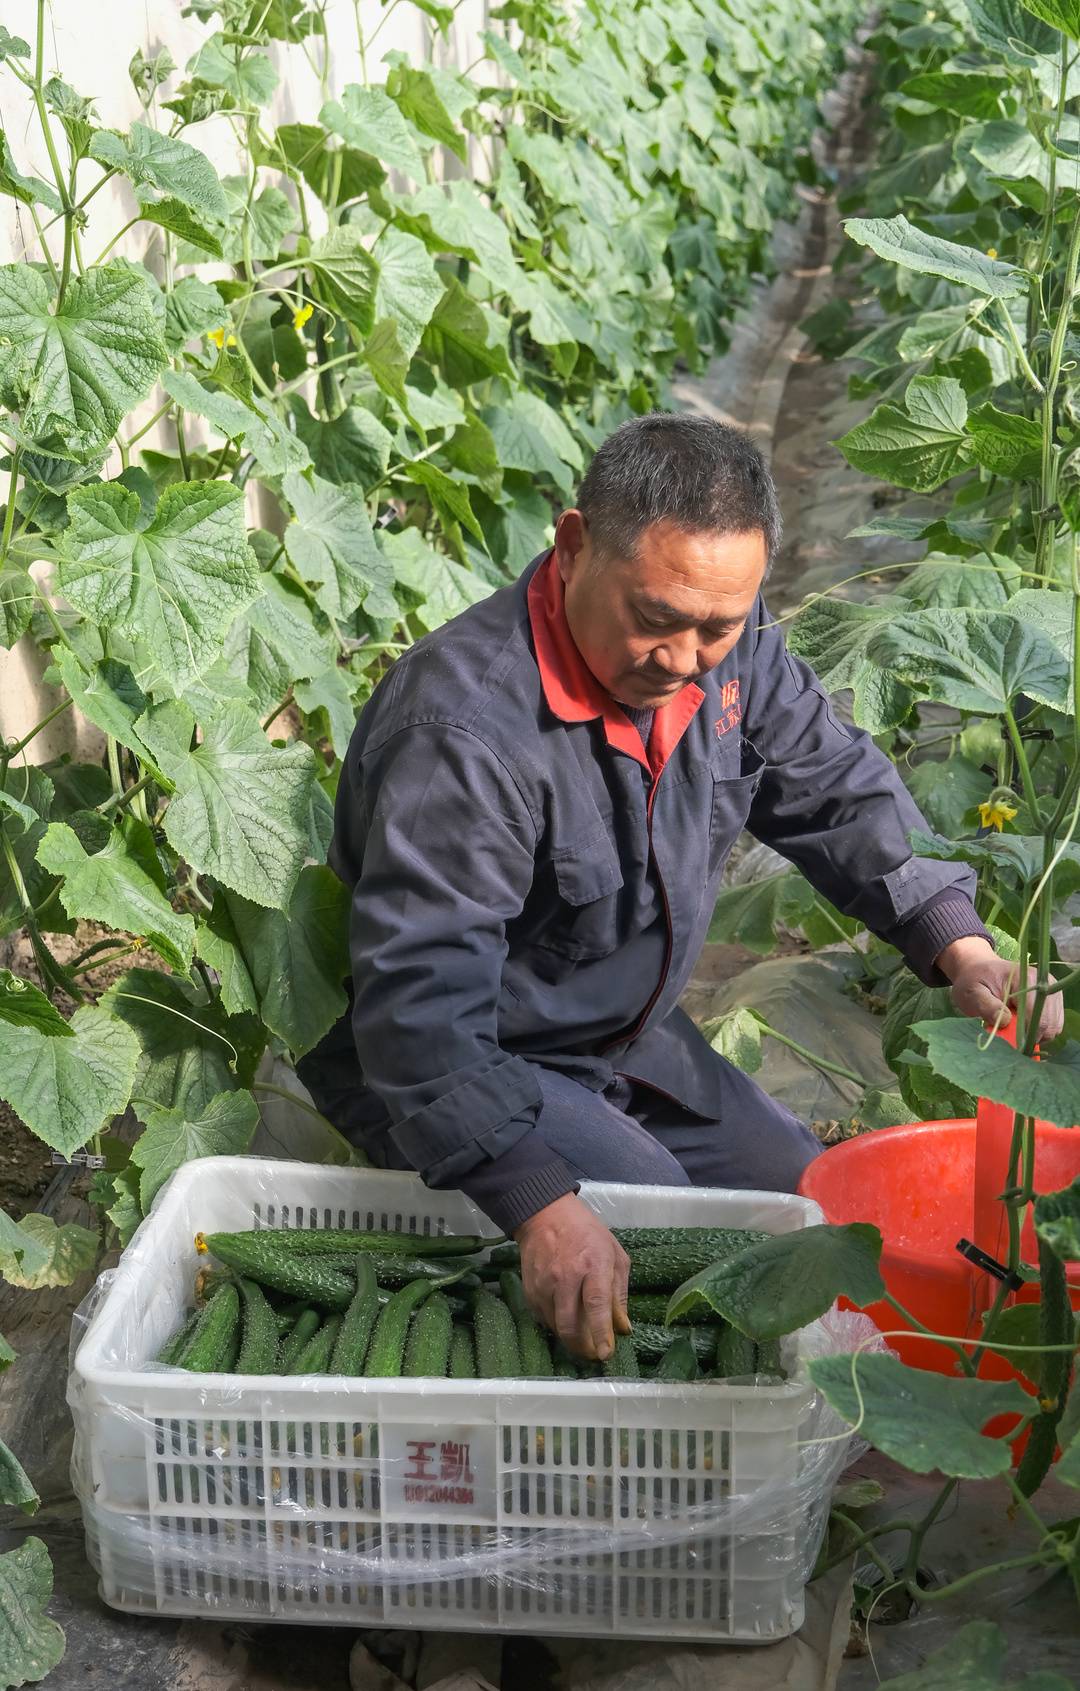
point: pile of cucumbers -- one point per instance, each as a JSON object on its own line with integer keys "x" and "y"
{"x": 398, "y": 1305}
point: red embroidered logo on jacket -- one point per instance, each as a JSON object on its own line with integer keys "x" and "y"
{"x": 729, "y": 698}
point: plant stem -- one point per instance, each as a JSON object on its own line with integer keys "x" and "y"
{"x": 1036, "y": 1559}
{"x": 811, "y": 1056}
{"x": 117, "y": 800}
{"x": 97, "y": 963}
{"x": 928, "y": 1332}
{"x": 54, "y": 157}
{"x": 293, "y": 1097}
{"x": 1024, "y": 768}
{"x": 9, "y": 509}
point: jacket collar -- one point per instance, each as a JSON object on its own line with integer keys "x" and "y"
{"x": 573, "y": 693}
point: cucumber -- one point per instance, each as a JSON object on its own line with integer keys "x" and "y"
{"x": 259, "y": 1344}
{"x": 462, "y": 1365}
{"x": 565, "y": 1365}
{"x": 767, "y": 1358}
{"x": 1055, "y": 1366}
{"x": 498, "y": 1354}
{"x": 211, "y": 1349}
{"x": 653, "y": 1306}
{"x": 735, "y": 1354}
{"x": 173, "y": 1345}
{"x": 536, "y": 1360}
{"x": 284, "y": 1322}
{"x": 719, "y": 1242}
{"x": 505, "y": 1256}
{"x": 664, "y": 1268}
{"x": 356, "y": 1329}
{"x": 679, "y": 1361}
{"x": 307, "y": 1325}
{"x": 316, "y": 1354}
{"x": 301, "y": 1276}
{"x": 651, "y": 1341}
{"x": 427, "y": 1349}
{"x": 346, "y": 1241}
{"x": 622, "y": 1364}
{"x": 388, "y": 1340}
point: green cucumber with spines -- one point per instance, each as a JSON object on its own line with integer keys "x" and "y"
{"x": 664, "y": 1268}
{"x": 679, "y": 1362}
{"x": 651, "y": 1341}
{"x": 284, "y": 1322}
{"x": 259, "y": 1342}
{"x": 536, "y": 1360}
{"x": 462, "y": 1363}
{"x": 1056, "y": 1327}
{"x": 498, "y": 1354}
{"x": 387, "y": 1348}
{"x": 175, "y": 1343}
{"x": 350, "y": 1242}
{"x": 735, "y": 1354}
{"x": 305, "y": 1277}
{"x": 211, "y": 1348}
{"x": 622, "y": 1364}
{"x": 721, "y": 1241}
{"x": 306, "y": 1326}
{"x": 316, "y": 1354}
{"x": 359, "y": 1323}
{"x": 427, "y": 1348}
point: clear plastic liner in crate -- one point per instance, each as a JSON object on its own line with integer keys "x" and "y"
{"x": 263, "y": 1484}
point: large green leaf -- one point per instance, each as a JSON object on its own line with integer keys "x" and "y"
{"x": 30, "y": 1643}
{"x": 275, "y": 643}
{"x": 290, "y": 966}
{"x": 443, "y": 588}
{"x": 111, "y": 886}
{"x": 192, "y": 308}
{"x": 834, "y": 635}
{"x": 1004, "y": 442}
{"x": 108, "y": 695}
{"x": 347, "y": 271}
{"x": 240, "y": 812}
{"x": 449, "y": 498}
{"x": 737, "y": 1037}
{"x": 370, "y": 121}
{"x": 249, "y": 77}
{"x": 330, "y": 542}
{"x": 156, "y": 162}
{"x": 920, "y": 447}
{"x": 330, "y": 693}
{"x": 785, "y": 1282}
{"x": 751, "y": 914}
{"x": 948, "y": 791}
{"x": 457, "y": 339}
{"x": 456, "y": 218}
{"x": 1059, "y": 14}
{"x": 418, "y": 98}
{"x": 408, "y": 287}
{"x": 257, "y": 227}
{"x": 924, "y": 1421}
{"x": 58, "y": 1256}
{"x": 20, "y": 1252}
{"x": 1010, "y": 30}
{"x": 174, "y": 583}
{"x": 74, "y": 373}
{"x": 273, "y": 446}
{"x": 172, "y": 1137}
{"x": 66, "y": 1086}
{"x": 188, "y": 1050}
{"x": 972, "y": 660}
{"x": 16, "y": 603}
{"x": 973, "y": 1660}
{"x": 899, "y": 241}
{"x": 1015, "y": 858}
{"x": 1057, "y": 1221}
{"x": 968, "y": 1056}
{"x": 335, "y": 174}
{"x": 352, "y": 447}
{"x": 31, "y": 190}
{"x": 969, "y": 93}
{"x": 960, "y": 583}
{"x": 16, "y": 1489}
{"x": 529, "y": 435}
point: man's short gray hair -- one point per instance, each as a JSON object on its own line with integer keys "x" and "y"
{"x": 704, "y": 476}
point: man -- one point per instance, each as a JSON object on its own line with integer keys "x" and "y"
{"x": 534, "y": 817}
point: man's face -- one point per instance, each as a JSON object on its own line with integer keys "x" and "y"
{"x": 647, "y": 625}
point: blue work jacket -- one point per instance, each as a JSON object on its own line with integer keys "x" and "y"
{"x": 530, "y": 885}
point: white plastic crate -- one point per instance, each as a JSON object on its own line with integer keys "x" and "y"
{"x": 590, "y": 1507}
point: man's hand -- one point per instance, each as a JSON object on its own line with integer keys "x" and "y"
{"x": 576, "y": 1276}
{"x": 984, "y": 985}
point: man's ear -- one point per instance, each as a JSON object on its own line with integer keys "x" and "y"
{"x": 573, "y": 543}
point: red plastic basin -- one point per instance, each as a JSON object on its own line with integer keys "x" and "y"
{"x": 917, "y": 1184}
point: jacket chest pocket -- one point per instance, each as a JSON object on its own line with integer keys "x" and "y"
{"x": 732, "y": 795}
{"x": 584, "y": 921}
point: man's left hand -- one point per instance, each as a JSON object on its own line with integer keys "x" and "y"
{"x": 985, "y": 985}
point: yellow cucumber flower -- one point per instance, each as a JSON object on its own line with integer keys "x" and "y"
{"x": 994, "y": 813}
{"x": 301, "y": 315}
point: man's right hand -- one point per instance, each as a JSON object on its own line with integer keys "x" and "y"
{"x": 575, "y": 1276}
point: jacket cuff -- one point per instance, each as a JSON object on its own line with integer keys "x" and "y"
{"x": 945, "y": 918}
{"x": 513, "y": 1187}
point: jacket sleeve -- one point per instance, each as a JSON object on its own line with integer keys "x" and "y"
{"x": 443, "y": 861}
{"x": 833, "y": 804}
